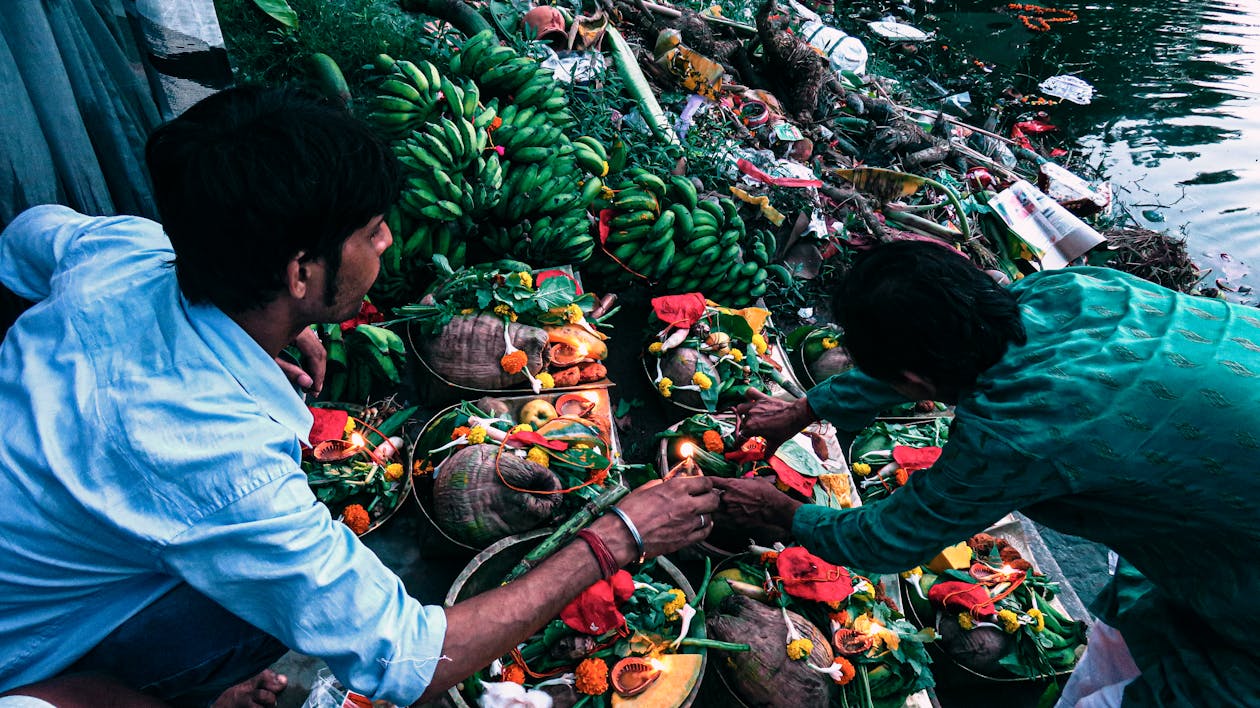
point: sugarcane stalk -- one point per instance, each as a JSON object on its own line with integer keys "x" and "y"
{"x": 700, "y": 643}
{"x": 636, "y": 83}
{"x": 568, "y": 530}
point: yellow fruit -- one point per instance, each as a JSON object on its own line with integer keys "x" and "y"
{"x": 536, "y": 412}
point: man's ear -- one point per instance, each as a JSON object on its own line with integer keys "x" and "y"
{"x": 297, "y": 276}
{"x": 921, "y": 386}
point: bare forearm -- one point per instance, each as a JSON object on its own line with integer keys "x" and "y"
{"x": 483, "y": 628}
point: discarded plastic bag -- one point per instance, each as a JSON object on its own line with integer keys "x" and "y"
{"x": 888, "y": 28}
{"x": 575, "y": 67}
{"x": 1068, "y": 88}
{"x": 844, "y": 52}
{"x": 327, "y": 692}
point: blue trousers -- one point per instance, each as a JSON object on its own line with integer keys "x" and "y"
{"x": 184, "y": 649}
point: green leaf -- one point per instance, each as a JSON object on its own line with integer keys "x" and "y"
{"x": 279, "y": 11}
{"x": 555, "y": 292}
{"x": 800, "y": 459}
{"x": 736, "y": 326}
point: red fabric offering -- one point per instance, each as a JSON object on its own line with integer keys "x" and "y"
{"x": 330, "y": 424}
{"x": 914, "y": 459}
{"x": 811, "y": 578}
{"x": 679, "y": 310}
{"x": 595, "y": 611}
{"x": 529, "y": 437}
{"x": 793, "y": 479}
{"x": 962, "y": 597}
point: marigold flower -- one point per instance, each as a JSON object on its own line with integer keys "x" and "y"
{"x": 467, "y": 311}
{"x": 356, "y": 517}
{"x": 476, "y": 435}
{"x": 460, "y": 432}
{"x": 768, "y": 557}
{"x": 592, "y": 677}
{"x": 847, "y": 672}
{"x": 521, "y": 428}
{"x": 1009, "y": 621}
{"x": 598, "y": 476}
{"x": 514, "y": 673}
{"x": 966, "y": 621}
{"x": 674, "y": 604}
{"x": 830, "y": 343}
{"x": 526, "y": 279}
{"x": 665, "y": 386}
{"x": 713, "y": 441}
{"x": 841, "y": 618}
{"x": 1039, "y": 619}
{"x": 798, "y": 649}
{"x": 902, "y": 476}
{"x": 702, "y": 380}
{"x": 546, "y": 380}
{"x": 538, "y": 456}
{"x": 861, "y": 469}
{"x": 573, "y": 314}
{"x": 514, "y": 362}
{"x": 504, "y": 311}
{"x": 656, "y": 348}
{"x": 737, "y": 355}
{"x": 393, "y": 471}
{"x": 759, "y": 343}
{"x": 350, "y": 426}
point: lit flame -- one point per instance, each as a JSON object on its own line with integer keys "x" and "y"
{"x": 582, "y": 351}
{"x": 687, "y": 449}
{"x": 358, "y": 440}
{"x": 591, "y": 396}
{"x": 656, "y": 664}
{"x": 875, "y": 628}
{"x": 1006, "y": 570}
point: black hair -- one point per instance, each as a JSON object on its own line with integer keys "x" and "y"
{"x": 248, "y": 178}
{"x": 923, "y": 308}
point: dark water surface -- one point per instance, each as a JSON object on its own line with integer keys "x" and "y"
{"x": 1175, "y": 120}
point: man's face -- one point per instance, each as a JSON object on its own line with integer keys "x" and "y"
{"x": 360, "y": 264}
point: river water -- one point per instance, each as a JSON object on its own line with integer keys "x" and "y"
{"x": 1175, "y": 120}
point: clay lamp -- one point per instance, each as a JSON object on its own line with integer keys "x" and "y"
{"x": 633, "y": 674}
{"x": 687, "y": 466}
{"x": 334, "y": 450}
{"x": 574, "y": 405}
{"x": 851, "y": 642}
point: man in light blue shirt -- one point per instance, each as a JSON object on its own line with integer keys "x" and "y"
{"x": 158, "y": 526}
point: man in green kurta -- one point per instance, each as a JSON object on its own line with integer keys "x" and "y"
{"x": 1096, "y": 403}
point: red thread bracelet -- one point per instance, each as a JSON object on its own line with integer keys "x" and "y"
{"x": 608, "y": 565}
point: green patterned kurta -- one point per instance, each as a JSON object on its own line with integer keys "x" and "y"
{"x": 1132, "y": 418}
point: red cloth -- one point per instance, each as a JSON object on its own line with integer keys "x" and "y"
{"x": 914, "y": 459}
{"x": 793, "y": 479}
{"x": 811, "y": 578}
{"x": 330, "y": 424}
{"x": 962, "y": 597}
{"x": 679, "y": 310}
{"x": 529, "y": 437}
{"x": 595, "y": 611}
{"x": 368, "y": 314}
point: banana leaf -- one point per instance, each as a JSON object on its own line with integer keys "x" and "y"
{"x": 279, "y": 11}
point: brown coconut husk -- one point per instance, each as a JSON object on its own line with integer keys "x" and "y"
{"x": 979, "y": 649}
{"x": 468, "y": 350}
{"x": 473, "y": 506}
{"x": 765, "y": 676}
{"x": 679, "y": 365}
{"x": 830, "y": 363}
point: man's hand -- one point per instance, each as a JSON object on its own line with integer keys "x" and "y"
{"x": 755, "y": 503}
{"x": 669, "y": 515}
{"x": 775, "y": 420}
{"x": 310, "y": 375}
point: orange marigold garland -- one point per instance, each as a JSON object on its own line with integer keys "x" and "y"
{"x": 713, "y": 441}
{"x": 592, "y": 677}
{"x": 1039, "y": 19}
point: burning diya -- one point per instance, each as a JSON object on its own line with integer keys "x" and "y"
{"x": 633, "y": 674}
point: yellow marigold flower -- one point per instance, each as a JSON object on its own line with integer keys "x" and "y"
{"x": 546, "y": 380}
{"x": 1039, "y": 619}
{"x": 521, "y": 428}
{"x": 592, "y": 677}
{"x": 702, "y": 380}
{"x": 350, "y": 426}
{"x": 505, "y": 311}
{"x": 665, "y": 386}
{"x": 798, "y": 649}
{"x": 830, "y": 343}
{"x": 538, "y": 456}
{"x": 393, "y": 471}
{"x": 526, "y": 279}
{"x": 1009, "y": 621}
{"x": 655, "y": 348}
{"x": 759, "y": 343}
{"x": 467, "y": 311}
{"x": 737, "y": 355}
{"x": 674, "y": 604}
{"x": 476, "y": 435}
{"x": 861, "y": 469}
{"x": 573, "y": 314}
{"x": 965, "y": 621}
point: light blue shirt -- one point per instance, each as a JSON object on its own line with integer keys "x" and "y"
{"x": 149, "y": 441}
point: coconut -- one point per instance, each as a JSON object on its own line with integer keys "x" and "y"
{"x": 467, "y": 351}
{"x": 765, "y": 676}
{"x": 472, "y": 505}
{"x": 977, "y": 649}
{"x": 679, "y": 366}
{"x": 830, "y": 363}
